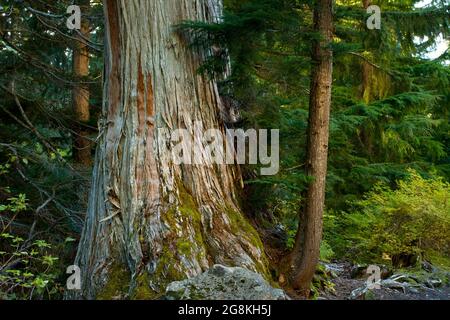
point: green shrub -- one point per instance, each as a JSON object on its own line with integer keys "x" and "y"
{"x": 27, "y": 267}
{"x": 413, "y": 219}
{"x": 27, "y": 270}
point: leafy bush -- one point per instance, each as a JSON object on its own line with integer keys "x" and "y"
{"x": 413, "y": 219}
{"x": 26, "y": 270}
{"x": 27, "y": 267}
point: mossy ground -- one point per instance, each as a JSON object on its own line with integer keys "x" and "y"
{"x": 117, "y": 285}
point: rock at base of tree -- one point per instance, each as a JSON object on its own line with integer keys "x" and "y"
{"x": 224, "y": 283}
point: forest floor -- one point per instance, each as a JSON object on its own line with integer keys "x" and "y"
{"x": 346, "y": 286}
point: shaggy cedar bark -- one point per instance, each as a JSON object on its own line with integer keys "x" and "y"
{"x": 80, "y": 95}
{"x": 306, "y": 251}
{"x": 149, "y": 221}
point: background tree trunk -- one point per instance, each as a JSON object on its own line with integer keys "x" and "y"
{"x": 307, "y": 246}
{"x": 150, "y": 221}
{"x": 365, "y": 93}
{"x": 80, "y": 95}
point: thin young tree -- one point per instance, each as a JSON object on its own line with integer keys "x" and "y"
{"x": 305, "y": 255}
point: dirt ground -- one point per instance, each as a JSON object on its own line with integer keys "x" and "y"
{"x": 344, "y": 285}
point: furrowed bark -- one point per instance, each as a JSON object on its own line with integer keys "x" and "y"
{"x": 305, "y": 255}
{"x": 149, "y": 221}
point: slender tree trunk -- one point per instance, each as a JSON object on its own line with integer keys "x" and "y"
{"x": 149, "y": 221}
{"x": 80, "y": 95}
{"x": 307, "y": 246}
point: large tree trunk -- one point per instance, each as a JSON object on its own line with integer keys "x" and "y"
{"x": 307, "y": 246}
{"x": 150, "y": 221}
{"x": 80, "y": 95}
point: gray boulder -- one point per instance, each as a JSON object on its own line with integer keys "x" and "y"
{"x": 224, "y": 283}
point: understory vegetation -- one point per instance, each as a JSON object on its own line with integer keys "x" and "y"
{"x": 411, "y": 220}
